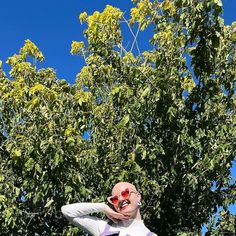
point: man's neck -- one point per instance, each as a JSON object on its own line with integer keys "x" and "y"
{"x": 136, "y": 216}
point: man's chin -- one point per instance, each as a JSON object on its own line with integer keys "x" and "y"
{"x": 128, "y": 210}
{"x": 124, "y": 209}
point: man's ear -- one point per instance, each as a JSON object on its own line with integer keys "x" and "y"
{"x": 139, "y": 196}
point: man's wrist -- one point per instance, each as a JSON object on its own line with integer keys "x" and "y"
{"x": 104, "y": 207}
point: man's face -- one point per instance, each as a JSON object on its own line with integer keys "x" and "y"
{"x": 128, "y": 198}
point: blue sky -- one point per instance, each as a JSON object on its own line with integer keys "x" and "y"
{"x": 53, "y": 24}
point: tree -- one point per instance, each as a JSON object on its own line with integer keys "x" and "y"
{"x": 42, "y": 164}
{"x": 223, "y": 225}
{"x": 163, "y": 119}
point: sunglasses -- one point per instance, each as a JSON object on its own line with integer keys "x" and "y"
{"x": 125, "y": 194}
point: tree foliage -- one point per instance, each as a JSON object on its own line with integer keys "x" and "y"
{"x": 222, "y": 224}
{"x": 163, "y": 119}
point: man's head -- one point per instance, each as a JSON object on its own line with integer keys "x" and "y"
{"x": 126, "y": 199}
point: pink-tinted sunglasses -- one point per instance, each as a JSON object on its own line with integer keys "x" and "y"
{"x": 125, "y": 194}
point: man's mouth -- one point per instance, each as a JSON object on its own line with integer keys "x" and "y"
{"x": 124, "y": 204}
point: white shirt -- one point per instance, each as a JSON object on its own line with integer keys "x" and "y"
{"x": 78, "y": 214}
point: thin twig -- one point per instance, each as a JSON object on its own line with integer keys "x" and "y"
{"x": 135, "y": 41}
{"x": 134, "y": 35}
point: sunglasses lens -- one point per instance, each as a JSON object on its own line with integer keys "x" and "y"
{"x": 125, "y": 194}
{"x": 114, "y": 200}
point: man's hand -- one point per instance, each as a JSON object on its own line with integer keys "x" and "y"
{"x": 113, "y": 215}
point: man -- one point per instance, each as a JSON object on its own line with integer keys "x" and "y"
{"x": 126, "y": 215}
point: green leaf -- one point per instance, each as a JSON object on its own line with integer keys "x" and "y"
{"x": 2, "y": 198}
{"x": 30, "y": 164}
{"x": 48, "y": 204}
{"x": 145, "y": 92}
{"x": 38, "y": 168}
{"x": 123, "y": 122}
{"x": 68, "y": 189}
{"x": 16, "y": 152}
{"x": 218, "y": 2}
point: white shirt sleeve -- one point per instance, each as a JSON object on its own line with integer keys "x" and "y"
{"x": 78, "y": 214}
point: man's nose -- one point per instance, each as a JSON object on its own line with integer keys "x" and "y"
{"x": 120, "y": 198}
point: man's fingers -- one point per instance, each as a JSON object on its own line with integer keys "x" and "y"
{"x": 111, "y": 217}
{"x": 114, "y": 220}
{"x": 121, "y": 216}
{"x": 115, "y": 216}
{"x": 111, "y": 214}
{"x": 125, "y": 217}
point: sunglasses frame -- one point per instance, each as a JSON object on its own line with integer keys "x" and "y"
{"x": 120, "y": 195}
